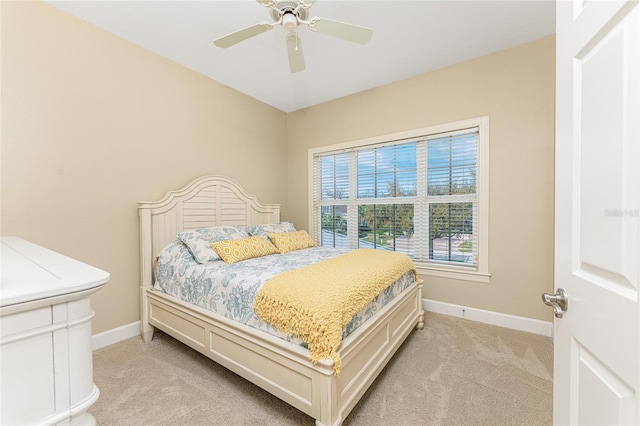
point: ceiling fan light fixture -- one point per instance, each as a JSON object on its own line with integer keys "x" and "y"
{"x": 289, "y": 21}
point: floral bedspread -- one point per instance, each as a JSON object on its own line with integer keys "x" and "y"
{"x": 230, "y": 290}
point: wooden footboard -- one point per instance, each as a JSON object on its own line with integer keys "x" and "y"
{"x": 282, "y": 368}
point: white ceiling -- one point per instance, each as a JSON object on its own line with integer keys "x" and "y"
{"x": 409, "y": 38}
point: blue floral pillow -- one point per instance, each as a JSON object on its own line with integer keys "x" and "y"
{"x": 199, "y": 240}
{"x": 173, "y": 254}
{"x": 265, "y": 228}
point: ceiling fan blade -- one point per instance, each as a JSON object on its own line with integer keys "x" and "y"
{"x": 341, "y": 30}
{"x": 242, "y": 35}
{"x": 306, "y": 3}
{"x": 294, "y": 49}
{"x": 267, "y": 3}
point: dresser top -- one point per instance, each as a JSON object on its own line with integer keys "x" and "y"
{"x": 29, "y": 272}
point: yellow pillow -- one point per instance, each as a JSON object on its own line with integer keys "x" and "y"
{"x": 290, "y": 241}
{"x": 232, "y": 251}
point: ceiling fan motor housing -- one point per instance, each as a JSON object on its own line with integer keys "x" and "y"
{"x": 287, "y": 9}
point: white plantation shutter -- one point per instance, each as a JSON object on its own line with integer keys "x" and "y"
{"x": 452, "y": 162}
{"x": 452, "y": 169}
{"x": 334, "y": 175}
{"x": 418, "y": 196}
{"x": 387, "y": 171}
{"x": 332, "y": 190}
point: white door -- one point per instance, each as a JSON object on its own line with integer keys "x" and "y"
{"x": 597, "y": 243}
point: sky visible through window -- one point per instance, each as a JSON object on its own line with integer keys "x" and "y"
{"x": 388, "y": 171}
{"x": 451, "y": 169}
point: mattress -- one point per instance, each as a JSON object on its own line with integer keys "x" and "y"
{"x": 230, "y": 289}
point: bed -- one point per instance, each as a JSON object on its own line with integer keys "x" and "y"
{"x": 277, "y": 365}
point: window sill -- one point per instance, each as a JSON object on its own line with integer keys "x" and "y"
{"x": 454, "y": 274}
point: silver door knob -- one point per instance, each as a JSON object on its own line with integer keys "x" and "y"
{"x": 558, "y": 301}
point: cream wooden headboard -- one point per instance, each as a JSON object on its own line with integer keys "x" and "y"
{"x": 206, "y": 201}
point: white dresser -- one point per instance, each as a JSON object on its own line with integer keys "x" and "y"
{"x": 46, "y": 369}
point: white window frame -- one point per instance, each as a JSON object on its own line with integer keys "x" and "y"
{"x": 479, "y": 273}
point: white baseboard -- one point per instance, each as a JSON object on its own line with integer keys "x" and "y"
{"x": 545, "y": 328}
{"x": 115, "y": 335}
{"x": 489, "y": 317}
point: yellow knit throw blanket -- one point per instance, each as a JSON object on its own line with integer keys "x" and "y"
{"x": 315, "y": 302}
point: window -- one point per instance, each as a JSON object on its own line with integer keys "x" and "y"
{"x": 423, "y": 193}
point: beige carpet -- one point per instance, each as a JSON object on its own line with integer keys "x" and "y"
{"x": 454, "y": 372}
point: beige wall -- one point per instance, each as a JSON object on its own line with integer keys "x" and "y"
{"x": 515, "y": 88}
{"x": 91, "y": 124}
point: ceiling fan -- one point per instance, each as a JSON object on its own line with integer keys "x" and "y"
{"x": 290, "y": 14}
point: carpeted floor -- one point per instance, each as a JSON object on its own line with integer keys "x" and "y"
{"x": 454, "y": 372}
